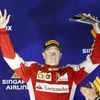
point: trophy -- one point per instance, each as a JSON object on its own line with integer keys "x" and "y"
{"x": 84, "y": 18}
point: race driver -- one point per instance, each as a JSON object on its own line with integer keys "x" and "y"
{"x": 48, "y": 81}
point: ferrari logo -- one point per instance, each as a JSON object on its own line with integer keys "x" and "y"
{"x": 57, "y": 75}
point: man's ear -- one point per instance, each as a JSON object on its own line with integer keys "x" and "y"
{"x": 43, "y": 55}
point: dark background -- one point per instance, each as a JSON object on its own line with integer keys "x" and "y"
{"x": 36, "y": 21}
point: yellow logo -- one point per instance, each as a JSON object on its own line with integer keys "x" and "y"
{"x": 97, "y": 83}
{"x": 40, "y": 75}
{"x": 15, "y": 75}
{"x": 47, "y": 76}
{"x": 52, "y": 42}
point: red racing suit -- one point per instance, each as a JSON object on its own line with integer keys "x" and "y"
{"x": 49, "y": 82}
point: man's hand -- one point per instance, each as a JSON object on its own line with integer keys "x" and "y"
{"x": 96, "y": 27}
{"x": 89, "y": 91}
{"x": 4, "y": 19}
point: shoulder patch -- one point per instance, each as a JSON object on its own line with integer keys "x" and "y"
{"x": 74, "y": 67}
{"x": 29, "y": 63}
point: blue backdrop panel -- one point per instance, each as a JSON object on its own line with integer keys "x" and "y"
{"x": 33, "y": 22}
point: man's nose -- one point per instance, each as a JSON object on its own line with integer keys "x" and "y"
{"x": 53, "y": 54}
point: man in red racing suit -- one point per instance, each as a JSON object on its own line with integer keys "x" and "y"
{"x": 48, "y": 81}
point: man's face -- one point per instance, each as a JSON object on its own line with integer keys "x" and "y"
{"x": 52, "y": 56}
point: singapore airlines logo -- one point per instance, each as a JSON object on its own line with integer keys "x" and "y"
{"x": 15, "y": 76}
{"x": 14, "y": 83}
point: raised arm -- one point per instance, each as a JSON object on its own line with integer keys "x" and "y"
{"x": 92, "y": 61}
{"x": 21, "y": 67}
{"x": 5, "y": 43}
{"x": 95, "y": 55}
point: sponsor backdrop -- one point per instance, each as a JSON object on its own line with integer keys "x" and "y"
{"x": 32, "y": 23}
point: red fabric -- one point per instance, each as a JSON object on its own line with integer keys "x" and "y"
{"x": 95, "y": 56}
{"x": 32, "y": 72}
{"x": 5, "y": 44}
{"x": 76, "y": 76}
{"x": 25, "y": 72}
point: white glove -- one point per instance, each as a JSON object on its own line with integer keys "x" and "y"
{"x": 4, "y": 20}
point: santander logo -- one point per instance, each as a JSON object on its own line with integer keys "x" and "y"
{"x": 54, "y": 88}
